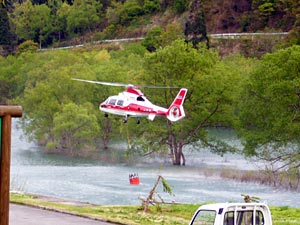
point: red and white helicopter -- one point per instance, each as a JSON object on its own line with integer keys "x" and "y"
{"x": 133, "y": 103}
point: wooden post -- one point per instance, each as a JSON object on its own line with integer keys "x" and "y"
{"x": 6, "y": 113}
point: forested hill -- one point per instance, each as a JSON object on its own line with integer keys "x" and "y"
{"x": 59, "y": 22}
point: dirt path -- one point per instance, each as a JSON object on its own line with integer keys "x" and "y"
{"x": 25, "y": 215}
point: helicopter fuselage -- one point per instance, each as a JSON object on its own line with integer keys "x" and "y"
{"x": 132, "y": 103}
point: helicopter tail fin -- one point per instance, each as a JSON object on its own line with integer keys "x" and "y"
{"x": 176, "y": 111}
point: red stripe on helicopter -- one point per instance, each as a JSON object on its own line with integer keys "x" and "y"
{"x": 179, "y": 98}
{"x": 134, "y": 108}
{"x": 134, "y": 91}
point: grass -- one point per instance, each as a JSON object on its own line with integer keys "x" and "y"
{"x": 177, "y": 214}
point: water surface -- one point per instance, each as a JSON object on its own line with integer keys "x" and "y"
{"x": 102, "y": 183}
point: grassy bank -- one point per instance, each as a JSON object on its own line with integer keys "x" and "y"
{"x": 166, "y": 214}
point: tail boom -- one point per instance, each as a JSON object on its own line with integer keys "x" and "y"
{"x": 176, "y": 111}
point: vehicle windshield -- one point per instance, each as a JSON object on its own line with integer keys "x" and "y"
{"x": 204, "y": 217}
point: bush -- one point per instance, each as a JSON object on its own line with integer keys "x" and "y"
{"x": 27, "y": 46}
{"x": 151, "y": 6}
{"x": 132, "y": 10}
{"x": 180, "y": 5}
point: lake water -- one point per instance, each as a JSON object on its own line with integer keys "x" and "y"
{"x": 107, "y": 184}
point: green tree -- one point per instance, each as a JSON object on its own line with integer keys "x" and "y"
{"x": 74, "y": 127}
{"x": 211, "y": 90}
{"x": 48, "y": 87}
{"x": 180, "y": 5}
{"x": 84, "y": 15}
{"x": 32, "y": 22}
{"x": 131, "y": 10}
{"x": 171, "y": 33}
{"x": 22, "y": 20}
{"x": 113, "y": 13}
{"x": 151, "y": 6}
{"x": 269, "y": 112}
{"x": 5, "y": 33}
{"x": 153, "y": 39}
{"x": 61, "y": 20}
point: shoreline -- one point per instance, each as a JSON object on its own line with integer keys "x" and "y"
{"x": 166, "y": 214}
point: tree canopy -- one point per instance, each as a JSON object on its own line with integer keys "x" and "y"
{"x": 269, "y": 108}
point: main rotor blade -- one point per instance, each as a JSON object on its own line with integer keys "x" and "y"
{"x": 121, "y": 84}
{"x": 102, "y": 83}
{"x": 158, "y": 87}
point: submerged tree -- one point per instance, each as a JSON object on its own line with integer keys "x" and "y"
{"x": 209, "y": 103}
{"x": 269, "y": 113}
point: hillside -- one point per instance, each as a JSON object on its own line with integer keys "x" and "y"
{"x": 56, "y": 23}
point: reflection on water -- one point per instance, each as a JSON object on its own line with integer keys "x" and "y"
{"x": 101, "y": 183}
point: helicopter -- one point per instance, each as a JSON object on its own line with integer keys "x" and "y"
{"x": 133, "y": 103}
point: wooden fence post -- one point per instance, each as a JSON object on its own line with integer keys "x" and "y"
{"x": 6, "y": 113}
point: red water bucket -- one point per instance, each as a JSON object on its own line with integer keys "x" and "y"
{"x": 134, "y": 178}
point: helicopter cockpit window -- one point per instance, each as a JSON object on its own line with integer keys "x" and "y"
{"x": 120, "y": 102}
{"x": 140, "y": 98}
{"x": 112, "y": 101}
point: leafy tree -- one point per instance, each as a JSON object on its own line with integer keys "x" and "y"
{"x": 171, "y": 33}
{"x": 153, "y": 39}
{"x": 84, "y": 15}
{"x": 5, "y": 33}
{"x": 158, "y": 37}
{"x": 32, "y": 22}
{"x": 61, "y": 20}
{"x": 151, "y": 6}
{"x": 269, "y": 109}
{"x": 48, "y": 87}
{"x": 180, "y": 5}
{"x": 41, "y": 22}
{"x": 21, "y": 17}
{"x": 113, "y": 12}
{"x": 209, "y": 103}
{"x": 131, "y": 10}
{"x": 74, "y": 127}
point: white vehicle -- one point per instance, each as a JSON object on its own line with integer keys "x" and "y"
{"x": 232, "y": 214}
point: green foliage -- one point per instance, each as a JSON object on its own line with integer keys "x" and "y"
{"x": 113, "y": 13}
{"x": 152, "y": 39}
{"x": 266, "y": 9}
{"x": 171, "y": 33}
{"x": 39, "y": 27}
{"x": 27, "y": 46}
{"x": 269, "y": 110}
{"x": 151, "y": 6}
{"x": 83, "y": 16}
{"x": 131, "y": 10}
{"x": 20, "y": 17}
{"x": 180, "y": 5}
{"x": 157, "y": 37}
{"x": 5, "y": 33}
{"x": 211, "y": 93}
{"x": 74, "y": 126}
{"x": 166, "y": 187}
{"x": 61, "y": 19}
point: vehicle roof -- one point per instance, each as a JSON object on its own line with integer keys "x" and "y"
{"x": 217, "y": 206}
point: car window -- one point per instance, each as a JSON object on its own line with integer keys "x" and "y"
{"x": 244, "y": 218}
{"x": 204, "y": 217}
